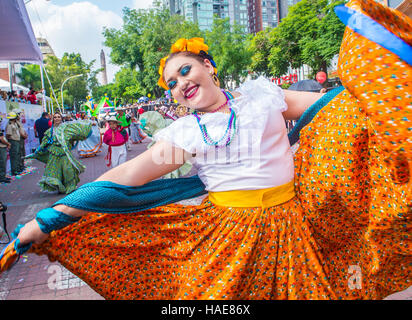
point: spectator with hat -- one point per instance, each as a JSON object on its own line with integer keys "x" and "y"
{"x": 13, "y": 136}
{"x": 115, "y": 137}
{"x": 4, "y": 146}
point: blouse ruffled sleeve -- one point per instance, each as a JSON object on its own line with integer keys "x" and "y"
{"x": 262, "y": 88}
{"x": 181, "y": 133}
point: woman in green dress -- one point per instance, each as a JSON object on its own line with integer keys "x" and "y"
{"x": 62, "y": 169}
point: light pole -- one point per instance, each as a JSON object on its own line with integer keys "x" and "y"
{"x": 61, "y": 89}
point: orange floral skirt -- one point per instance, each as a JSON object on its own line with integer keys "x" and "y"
{"x": 195, "y": 252}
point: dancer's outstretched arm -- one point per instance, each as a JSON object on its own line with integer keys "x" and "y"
{"x": 157, "y": 161}
{"x": 298, "y": 102}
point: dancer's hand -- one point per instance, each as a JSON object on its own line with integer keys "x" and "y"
{"x": 31, "y": 233}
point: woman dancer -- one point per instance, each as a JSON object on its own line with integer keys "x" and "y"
{"x": 337, "y": 228}
{"x": 62, "y": 169}
{"x": 136, "y": 133}
{"x": 92, "y": 145}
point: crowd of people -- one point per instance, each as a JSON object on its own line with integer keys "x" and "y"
{"x": 127, "y": 122}
{"x": 13, "y": 96}
{"x": 55, "y": 146}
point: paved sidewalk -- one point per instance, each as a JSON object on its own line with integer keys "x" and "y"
{"x": 35, "y": 277}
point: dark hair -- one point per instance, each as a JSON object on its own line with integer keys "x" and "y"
{"x": 44, "y": 114}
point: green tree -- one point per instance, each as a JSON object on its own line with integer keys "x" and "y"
{"x": 75, "y": 89}
{"x": 145, "y": 38}
{"x": 260, "y": 46}
{"x": 30, "y": 76}
{"x": 229, "y": 45}
{"x": 99, "y": 92}
{"x": 127, "y": 86}
{"x": 310, "y": 34}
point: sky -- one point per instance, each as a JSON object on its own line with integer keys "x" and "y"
{"x": 77, "y": 26}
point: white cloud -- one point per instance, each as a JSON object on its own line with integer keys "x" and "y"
{"x": 75, "y": 28}
{"x": 141, "y": 4}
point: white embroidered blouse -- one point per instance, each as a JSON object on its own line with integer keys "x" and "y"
{"x": 259, "y": 155}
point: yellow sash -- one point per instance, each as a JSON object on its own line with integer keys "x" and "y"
{"x": 263, "y": 198}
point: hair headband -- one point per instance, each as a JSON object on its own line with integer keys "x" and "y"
{"x": 194, "y": 45}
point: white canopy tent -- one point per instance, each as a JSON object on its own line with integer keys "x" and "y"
{"x": 17, "y": 40}
{"x": 5, "y": 86}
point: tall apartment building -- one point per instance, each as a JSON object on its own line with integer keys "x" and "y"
{"x": 45, "y": 47}
{"x": 284, "y": 7}
{"x": 262, "y": 14}
{"x": 238, "y": 12}
{"x": 203, "y": 11}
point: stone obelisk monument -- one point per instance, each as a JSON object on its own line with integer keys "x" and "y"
{"x": 103, "y": 66}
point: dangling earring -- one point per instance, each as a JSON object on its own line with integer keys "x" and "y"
{"x": 216, "y": 80}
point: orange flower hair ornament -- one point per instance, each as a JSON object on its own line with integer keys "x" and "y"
{"x": 194, "y": 45}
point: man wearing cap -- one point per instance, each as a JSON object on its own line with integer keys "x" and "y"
{"x": 13, "y": 136}
{"x": 4, "y": 146}
{"x": 115, "y": 137}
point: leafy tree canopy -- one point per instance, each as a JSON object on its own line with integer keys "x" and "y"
{"x": 229, "y": 45}
{"x": 75, "y": 89}
{"x": 58, "y": 70}
{"x": 260, "y": 46}
{"x": 30, "y": 76}
{"x": 310, "y": 34}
